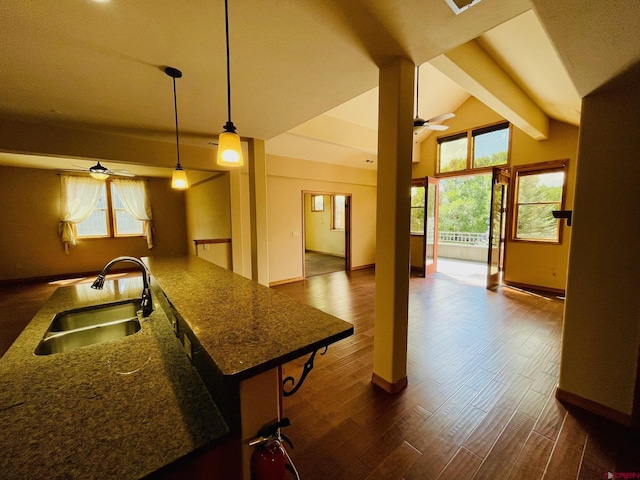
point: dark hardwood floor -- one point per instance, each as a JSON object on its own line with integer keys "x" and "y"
{"x": 483, "y": 367}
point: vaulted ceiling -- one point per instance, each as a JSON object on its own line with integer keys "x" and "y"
{"x": 304, "y": 73}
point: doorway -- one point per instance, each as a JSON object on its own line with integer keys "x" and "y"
{"x": 456, "y": 242}
{"x": 327, "y": 232}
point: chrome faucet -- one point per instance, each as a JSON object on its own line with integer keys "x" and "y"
{"x": 145, "y": 303}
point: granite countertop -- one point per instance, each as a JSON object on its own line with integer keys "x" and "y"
{"x": 246, "y": 328}
{"x": 115, "y": 410}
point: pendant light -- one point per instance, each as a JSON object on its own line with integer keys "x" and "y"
{"x": 229, "y": 147}
{"x": 179, "y": 178}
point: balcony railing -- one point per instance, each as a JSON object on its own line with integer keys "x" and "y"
{"x": 464, "y": 238}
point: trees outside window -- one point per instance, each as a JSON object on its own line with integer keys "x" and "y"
{"x": 539, "y": 189}
{"x": 477, "y": 149}
{"x": 464, "y": 204}
{"x": 417, "y": 209}
{"x": 452, "y": 153}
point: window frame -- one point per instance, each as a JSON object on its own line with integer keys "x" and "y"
{"x": 333, "y": 213}
{"x": 417, "y": 183}
{"x": 112, "y": 231}
{"x": 313, "y": 203}
{"x": 537, "y": 169}
{"x": 470, "y": 136}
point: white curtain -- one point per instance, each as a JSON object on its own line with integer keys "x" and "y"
{"x": 78, "y": 198}
{"x": 133, "y": 194}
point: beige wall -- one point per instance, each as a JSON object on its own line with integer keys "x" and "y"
{"x": 208, "y": 216}
{"x": 30, "y": 246}
{"x": 602, "y": 322}
{"x": 286, "y": 180}
{"x": 317, "y": 229}
{"x": 543, "y": 265}
{"x": 526, "y": 263}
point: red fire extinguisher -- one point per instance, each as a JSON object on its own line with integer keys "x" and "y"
{"x": 270, "y": 460}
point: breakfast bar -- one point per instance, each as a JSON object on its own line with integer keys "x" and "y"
{"x": 202, "y": 371}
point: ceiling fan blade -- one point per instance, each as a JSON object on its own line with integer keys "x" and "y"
{"x": 436, "y": 127}
{"x": 84, "y": 169}
{"x": 122, "y": 174}
{"x": 441, "y": 118}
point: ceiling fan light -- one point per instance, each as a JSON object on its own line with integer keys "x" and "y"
{"x": 229, "y": 150}
{"x": 179, "y": 179}
{"x": 99, "y": 175}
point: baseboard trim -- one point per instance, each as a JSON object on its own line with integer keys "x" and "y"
{"x": 288, "y": 280}
{"x": 594, "y": 407}
{"x": 389, "y": 387}
{"x": 363, "y": 267}
{"x": 535, "y": 288}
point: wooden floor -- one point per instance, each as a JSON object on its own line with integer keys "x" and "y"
{"x": 482, "y": 371}
{"x": 480, "y": 403}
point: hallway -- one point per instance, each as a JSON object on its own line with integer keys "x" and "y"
{"x": 480, "y": 403}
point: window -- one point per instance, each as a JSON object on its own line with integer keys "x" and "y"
{"x": 539, "y": 189}
{"x": 96, "y": 225}
{"x": 476, "y": 149}
{"x": 490, "y": 146}
{"x": 452, "y": 153}
{"x": 417, "y": 209}
{"x": 113, "y": 208}
{"x": 109, "y": 218}
{"x": 338, "y": 212}
{"x": 317, "y": 203}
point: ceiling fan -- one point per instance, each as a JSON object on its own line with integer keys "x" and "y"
{"x": 420, "y": 123}
{"x": 101, "y": 173}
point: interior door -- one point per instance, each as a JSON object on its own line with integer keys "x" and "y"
{"x": 497, "y": 226}
{"x": 431, "y": 225}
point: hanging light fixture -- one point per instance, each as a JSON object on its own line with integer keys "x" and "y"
{"x": 179, "y": 178}
{"x": 229, "y": 147}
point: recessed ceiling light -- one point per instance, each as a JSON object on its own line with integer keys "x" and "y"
{"x": 459, "y": 6}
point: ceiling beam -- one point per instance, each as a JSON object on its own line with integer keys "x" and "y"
{"x": 475, "y": 71}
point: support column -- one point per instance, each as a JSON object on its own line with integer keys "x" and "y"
{"x": 258, "y": 209}
{"x": 395, "y": 142}
{"x": 240, "y": 252}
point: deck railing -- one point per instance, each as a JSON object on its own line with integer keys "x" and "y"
{"x": 464, "y": 238}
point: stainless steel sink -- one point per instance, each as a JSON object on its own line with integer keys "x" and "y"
{"x": 95, "y": 315}
{"x": 87, "y": 326}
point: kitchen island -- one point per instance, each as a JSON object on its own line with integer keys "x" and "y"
{"x": 130, "y": 407}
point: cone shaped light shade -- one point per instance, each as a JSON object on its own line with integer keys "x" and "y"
{"x": 229, "y": 150}
{"x": 179, "y": 179}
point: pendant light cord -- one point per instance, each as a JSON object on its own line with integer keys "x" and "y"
{"x": 175, "y": 109}
{"x": 226, "y": 21}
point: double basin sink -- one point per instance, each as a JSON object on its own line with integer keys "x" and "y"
{"x": 81, "y": 327}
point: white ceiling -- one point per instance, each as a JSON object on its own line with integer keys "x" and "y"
{"x": 298, "y": 67}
